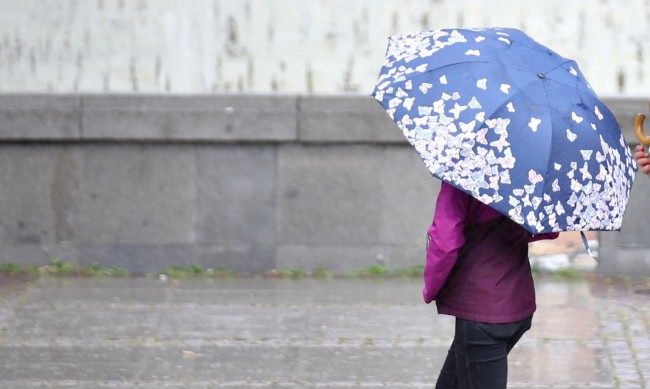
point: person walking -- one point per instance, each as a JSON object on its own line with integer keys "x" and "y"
{"x": 477, "y": 270}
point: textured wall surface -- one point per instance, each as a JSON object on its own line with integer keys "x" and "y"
{"x": 315, "y": 46}
{"x": 246, "y": 182}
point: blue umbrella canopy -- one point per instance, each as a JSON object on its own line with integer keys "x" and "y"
{"x": 512, "y": 123}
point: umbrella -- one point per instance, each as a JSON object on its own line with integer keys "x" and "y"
{"x": 512, "y": 123}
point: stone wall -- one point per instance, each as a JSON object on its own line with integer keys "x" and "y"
{"x": 247, "y": 182}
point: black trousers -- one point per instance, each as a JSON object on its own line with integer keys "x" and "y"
{"x": 478, "y": 356}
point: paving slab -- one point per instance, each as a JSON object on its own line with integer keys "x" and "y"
{"x": 259, "y": 332}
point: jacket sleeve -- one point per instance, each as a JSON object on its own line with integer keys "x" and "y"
{"x": 446, "y": 237}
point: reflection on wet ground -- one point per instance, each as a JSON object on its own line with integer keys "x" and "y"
{"x": 95, "y": 332}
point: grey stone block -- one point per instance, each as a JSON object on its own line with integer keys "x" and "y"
{"x": 254, "y": 258}
{"x": 409, "y": 196}
{"x": 154, "y": 258}
{"x": 346, "y": 119}
{"x": 337, "y": 258}
{"x": 236, "y": 117}
{"x": 32, "y": 199}
{"x": 36, "y": 117}
{"x": 236, "y": 194}
{"x": 627, "y": 251}
{"x": 329, "y": 194}
{"x": 135, "y": 194}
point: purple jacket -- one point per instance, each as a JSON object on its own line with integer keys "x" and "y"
{"x": 477, "y": 265}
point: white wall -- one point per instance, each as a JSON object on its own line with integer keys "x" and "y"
{"x": 295, "y": 46}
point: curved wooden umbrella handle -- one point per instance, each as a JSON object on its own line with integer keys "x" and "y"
{"x": 638, "y": 129}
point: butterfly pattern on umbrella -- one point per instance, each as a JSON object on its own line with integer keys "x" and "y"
{"x": 464, "y": 127}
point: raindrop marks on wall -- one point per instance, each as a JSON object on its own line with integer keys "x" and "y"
{"x": 157, "y": 71}
{"x": 232, "y": 38}
{"x": 348, "y": 86}
{"x": 309, "y": 79}
{"x": 394, "y": 23}
{"x": 106, "y": 80}
{"x": 620, "y": 79}
{"x": 641, "y": 62}
{"x": 133, "y": 74}
{"x": 424, "y": 22}
{"x": 460, "y": 19}
{"x": 582, "y": 23}
{"x": 79, "y": 72}
{"x": 250, "y": 72}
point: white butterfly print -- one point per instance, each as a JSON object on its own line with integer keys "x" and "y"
{"x": 557, "y": 166}
{"x": 424, "y": 87}
{"x": 531, "y": 218}
{"x": 400, "y": 93}
{"x": 480, "y": 136}
{"x": 556, "y": 185}
{"x": 602, "y": 174}
{"x": 513, "y": 201}
{"x": 473, "y": 52}
{"x": 573, "y": 71}
{"x": 505, "y": 177}
{"x": 394, "y": 102}
{"x": 443, "y": 80}
{"x": 575, "y": 185}
{"x": 439, "y": 106}
{"x": 504, "y": 40}
{"x": 494, "y": 182}
{"x": 518, "y": 192}
{"x": 534, "y": 123}
{"x": 534, "y": 177}
{"x": 571, "y": 135}
{"x": 457, "y": 110}
{"x": 408, "y": 85}
{"x": 467, "y": 127}
{"x": 508, "y": 161}
{"x": 482, "y": 83}
{"x": 586, "y": 154}
{"x": 505, "y": 88}
{"x": 500, "y": 144}
{"x": 421, "y": 121}
{"x": 597, "y": 112}
{"x": 511, "y": 107}
{"x": 474, "y": 104}
{"x": 406, "y": 120}
{"x": 480, "y": 116}
{"x": 576, "y": 118}
{"x": 408, "y": 103}
{"x": 456, "y": 96}
{"x": 445, "y": 96}
{"x": 585, "y": 171}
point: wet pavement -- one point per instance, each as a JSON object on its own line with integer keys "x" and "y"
{"x": 240, "y": 333}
